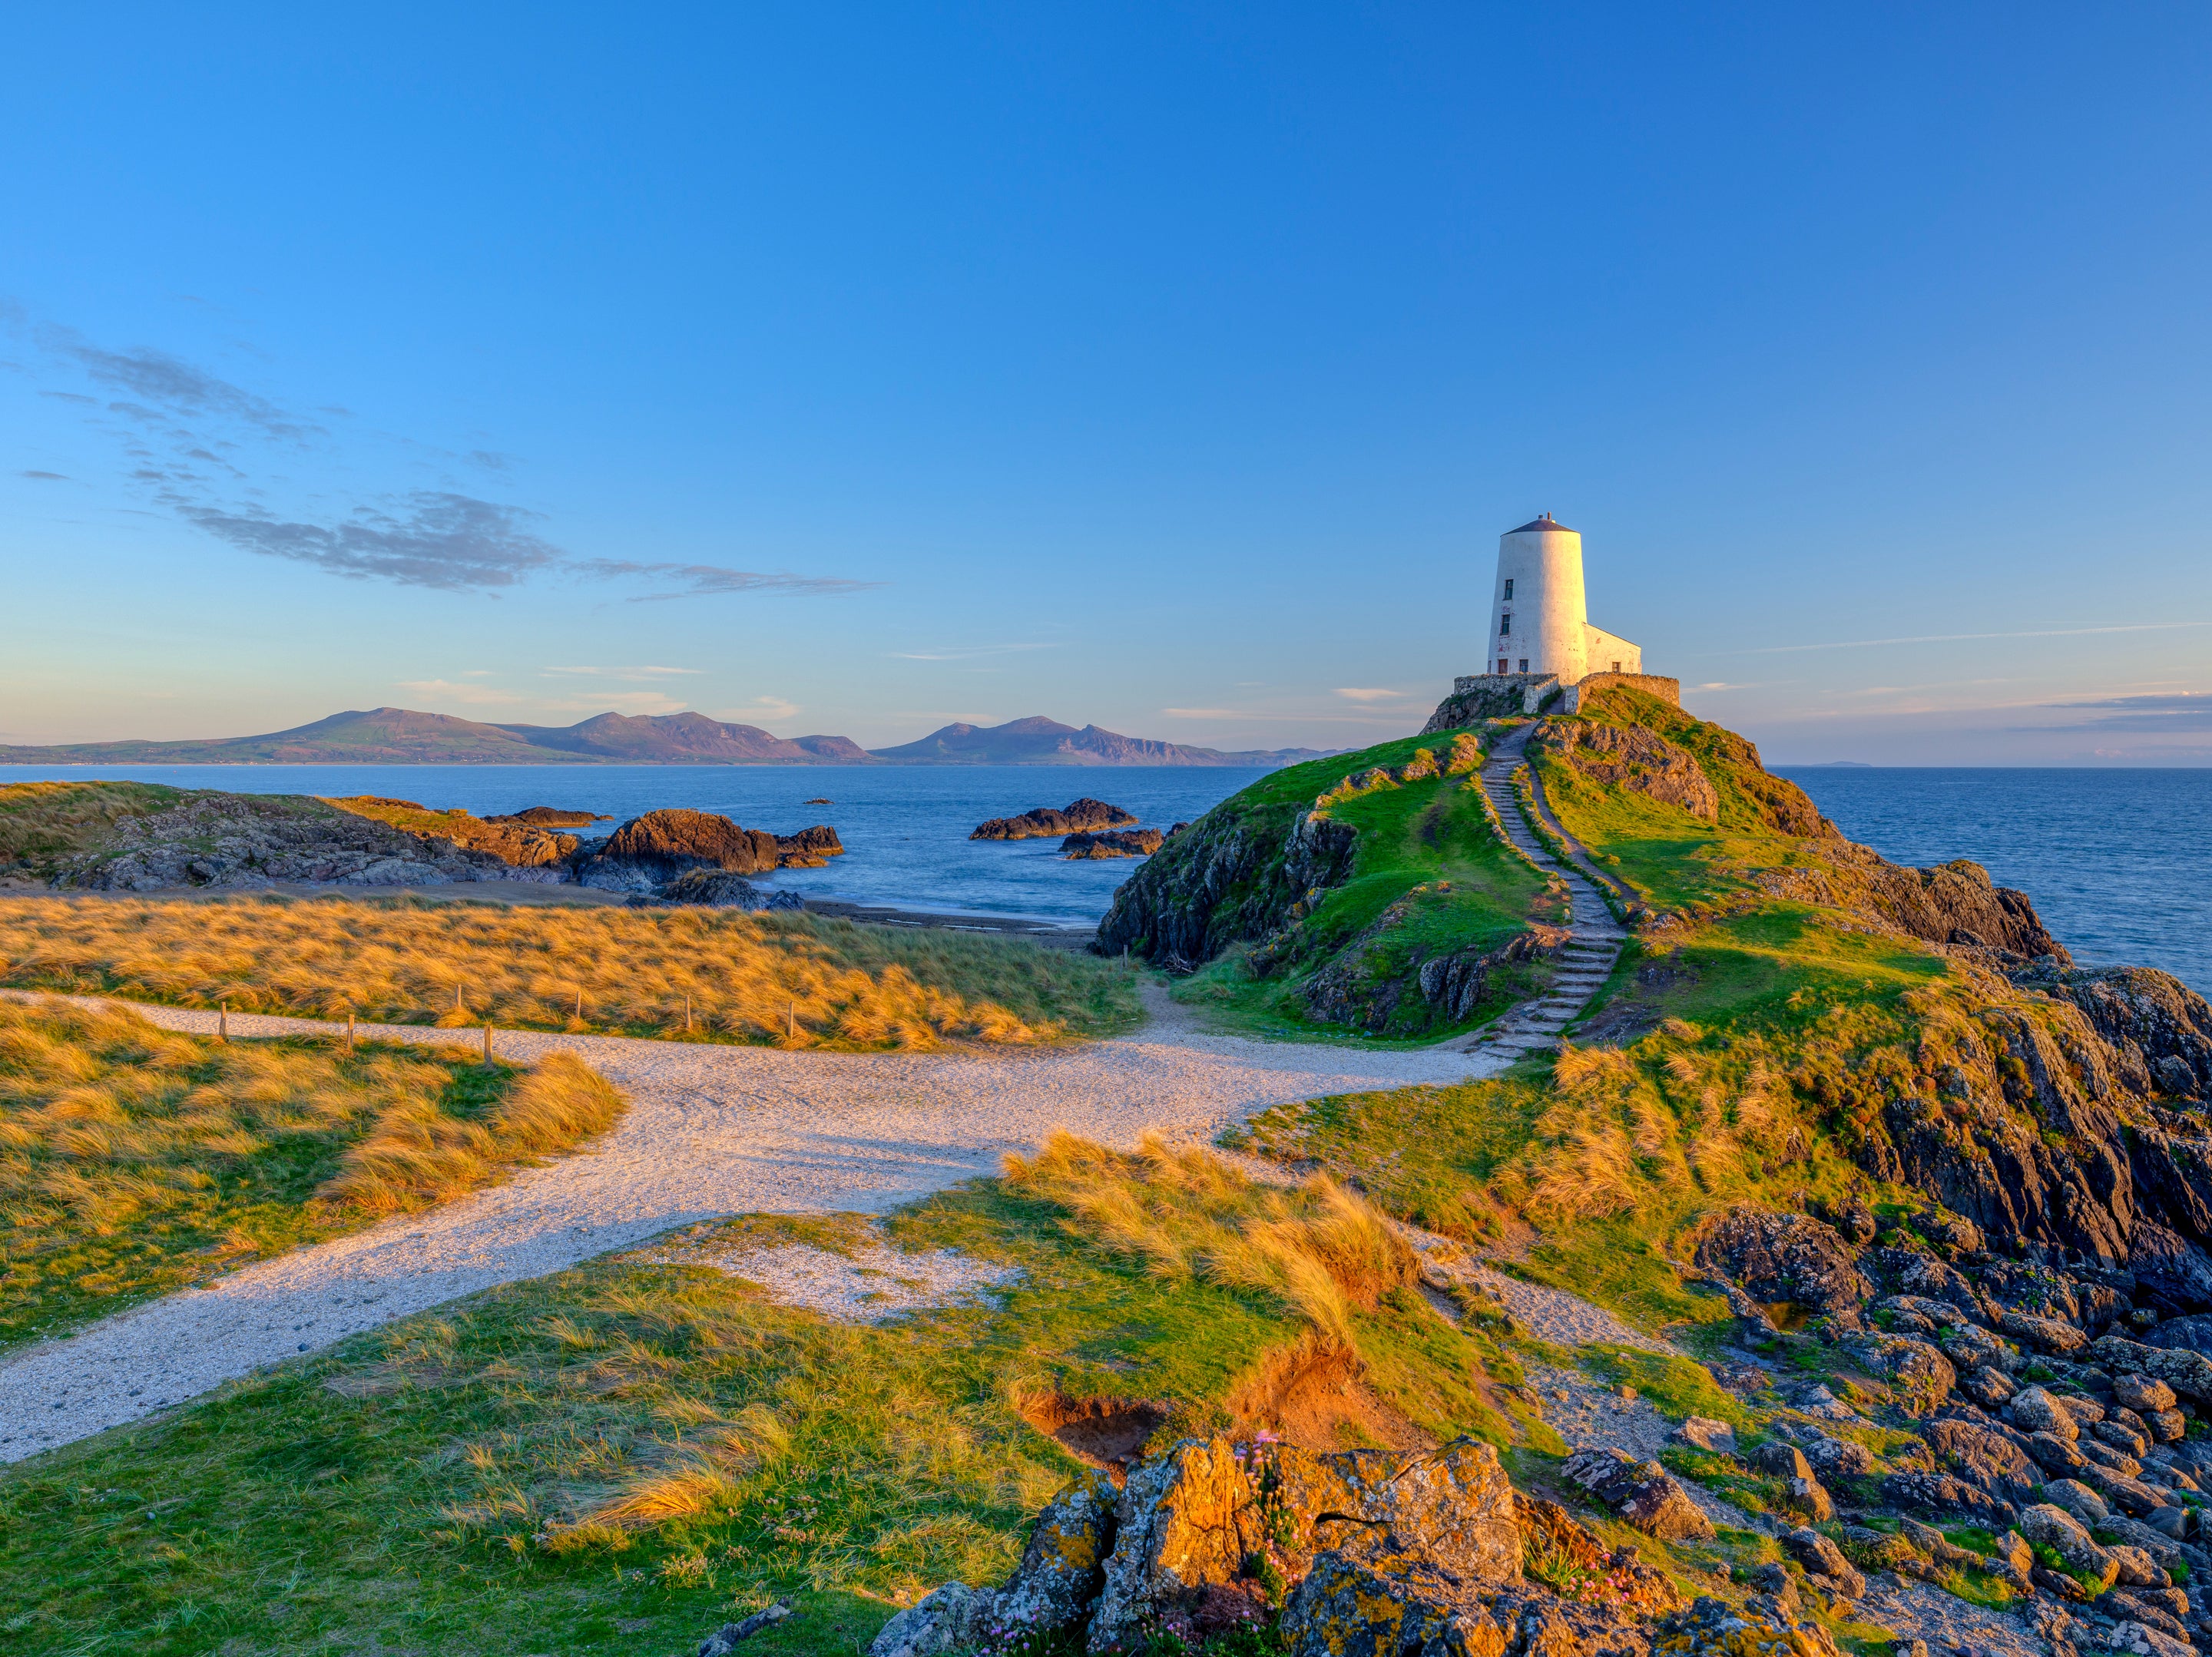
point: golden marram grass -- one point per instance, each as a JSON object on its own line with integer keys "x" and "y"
{"x": 791, "y": 981}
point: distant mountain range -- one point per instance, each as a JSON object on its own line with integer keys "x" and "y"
{"x": 399, "y": 736}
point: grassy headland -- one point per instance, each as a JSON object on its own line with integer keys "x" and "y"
{"x": 776, "y": 979}
{"x": 135, "y": 1161}
{"x": 1429, "y": 877}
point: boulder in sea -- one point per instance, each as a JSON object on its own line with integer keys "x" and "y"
{"x": 647, "y": 853}
{"x": 552, "y": 816}
{"x": 810, "y": 848}
{"x": 1086, "y": 815}
{"x": 1128, "y": 843}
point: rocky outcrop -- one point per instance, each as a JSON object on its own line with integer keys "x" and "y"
{"x": 1779, "y": 1259}
{"x": 1957, "y": 903}
{"x": 552, "y": 816}
{"x": 1082, "y": 816}
{"x": 647, "y": 853}
{"x": 810, "y": 848}
{"x": 522, "y": 845}
{"x": 1457, "y": 984}
{"x": 1127, "y": 843}
{"x": 718, "y": 888}
{"x": 241, "y": 841}
{"x": 1633, "y": 757}
{"x": 1232, "y": 877}
{"x": 2161, "y": 1029}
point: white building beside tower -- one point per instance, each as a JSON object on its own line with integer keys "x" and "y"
{"x": 1539, "y": 617}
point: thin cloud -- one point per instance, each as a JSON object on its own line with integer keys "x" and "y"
{"x": 473, "y": 695}
{"x": 1359, "y": 694}
{"x": 45, "y": 477}
{"x": 703, "y": 580}
{"x": 631, "y": 673}
{"x": 2180, "y": 710}
{"x": 1955, "y": 638}
{"x": 180, "y": 387}
{"x": 964, "y": 652}
{"x": 454, "y": 543}
{"x": 776, "y": 708}
{"x": 633, "y": 702}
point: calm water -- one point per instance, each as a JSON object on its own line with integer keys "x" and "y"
{"x": 2119, "y": 863}
{"x": 905, "y": 828}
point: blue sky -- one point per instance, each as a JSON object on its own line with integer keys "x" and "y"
{"x": 855, "y": 369}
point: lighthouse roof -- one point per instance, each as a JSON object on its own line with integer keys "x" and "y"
{"x": 1545, "y": 522}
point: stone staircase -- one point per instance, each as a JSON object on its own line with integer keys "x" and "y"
{"x": 1584, "y": 964}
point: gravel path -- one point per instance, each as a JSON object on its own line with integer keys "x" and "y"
{"x": 711, "y": 1130}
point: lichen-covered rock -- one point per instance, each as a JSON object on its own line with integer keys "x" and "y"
{"x": 1704, "y": 1433}
{"x": 1643, "y": 1493}
{"x": 954, "y": 1618}
{"x": 2033, "y": 1410}
{"x": 2055, "y": 1528}
{"x": 2055, "y": 1455}
{"x": 1920, "y": 1376}
{"x": 1356, "y": 1607}
{"x": 1764, "y": 1628}
{"x": 2048, "y": 1334}
{"x": 1985, "y": 1459}
{"x": 2189, "y": 1374}
{"x": 1176, "y": 1531}
{"x": 1790, "y": 1258}
{"x": 1990, "y": 1388}
{"x": 1821, "y": 1557}
{"x": 1063, "y": 1567}
{"x": 2077, "y": 1498}
{"x": 2142, "y": 1392}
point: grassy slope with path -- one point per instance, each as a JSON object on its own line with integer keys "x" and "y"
{"x": 616, "y": 1457}
{"x": 136, "y": 1160}
{"x": 1426, "y": 858}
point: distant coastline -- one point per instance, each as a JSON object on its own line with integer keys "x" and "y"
{"x": 400, "y": 736}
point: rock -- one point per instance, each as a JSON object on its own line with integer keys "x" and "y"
{"x": 2168, "y": 1426}
{"x": 1956, "y": 904}
{"x": 1080, "y": 817}
{"x": 551, "y": 816}
{"x": 2097, "y": 1453}
{"x": 2186, "y": 1372}
{"x": 810, "y": 848}
{"x": 2121, "y": 1437}
{"x": 2035, "y": 1410}
{"x": 1782, "y": 1460}
{"x": 1633, "y": 757}
{"x": 1985, "y": 1459}
{"x": 1710, "y": 1627}
{"x": 2187, "y": 1334}
{"x": 1937, "y": 1314}
{"x": 648, "y": 851}
{"x": 1063, "y": 1567}
{"x": 2170, "y": 1520}
{"x": 1836, "y": 1457}
{"x": 716, "y": 888}
{"x": 2136, "y": 1567}
{"x": 2142, "y": 1392}
{"x": 2054, "y": 1527}
{"x": 955, "y": 1617}
{"x": 1822, "y": 1557}
{"x": 1349, "y": 1607}
{"x": 2168, "y": 1269}
{"x": 1990, "y": 1388}
{"x": 1175, "y": 1532}
{"x": 1704, "y": 1433}
{"x": 1852, "y": 1219}
{"x": 1808, "y": 1498}
{"x": 2085, "y": 1410}
{"x": 1644, "y": 1494}
{"x": 1943, "y": 1493}
{"x": 726, "y": 1639}
{"x": 2122, "y": 1493}
{"x": 1139, "y": 843}
{"x": 2048, "y": 1334}
{"x": 2078, "y": 1499}
{"x": 1785, "y": 1258}
{"x": 2055, "y": 1455}
{"x": 1873, "y": 1550}
{"x": 1920, "y": 1376}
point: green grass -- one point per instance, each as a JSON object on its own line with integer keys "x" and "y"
{"x": 1430, "y": 877}
{"x": 423, "y": 1486}
{"x": 45, "y": 825}
{"x": 1677, "y": 1387}
{"x": 135, "y": 1162}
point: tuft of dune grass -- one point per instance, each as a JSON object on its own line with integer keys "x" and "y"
{"x": 780, "y": 979}
{"x": 134, "y": 1160}
{"x": 1319, "y": 1249}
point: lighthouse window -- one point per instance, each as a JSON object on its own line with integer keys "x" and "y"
{"x": 1524, "y": 664}
{"x": 1509, "y": 586}
{"x": 1504, "y": 626}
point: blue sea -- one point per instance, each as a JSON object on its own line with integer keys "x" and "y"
{"x": 905, "y": 828}
{"x": 2118, "y": 862}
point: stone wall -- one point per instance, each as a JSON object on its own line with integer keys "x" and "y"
{"x": 1667, "y": 690}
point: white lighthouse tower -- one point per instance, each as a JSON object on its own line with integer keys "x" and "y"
{"x": 1538, "y": 618}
